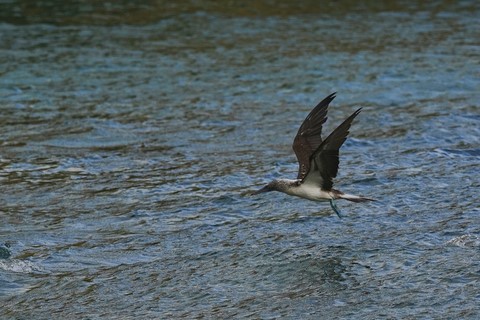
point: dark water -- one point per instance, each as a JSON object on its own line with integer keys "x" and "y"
{"x": 130, "y": 133}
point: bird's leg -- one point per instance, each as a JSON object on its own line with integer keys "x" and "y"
{"x": 334, "y": 207}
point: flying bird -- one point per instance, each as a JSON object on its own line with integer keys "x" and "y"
{"x": 317, "y": 160}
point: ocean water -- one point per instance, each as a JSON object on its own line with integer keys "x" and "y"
{"x": 131, "y": 134}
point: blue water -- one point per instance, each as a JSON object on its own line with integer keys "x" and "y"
{"x": 131, "y": 135}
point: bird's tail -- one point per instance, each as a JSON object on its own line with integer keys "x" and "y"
{"x": 351, "y": 197}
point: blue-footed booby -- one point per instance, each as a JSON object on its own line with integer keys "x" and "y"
{"x": 317, "y": 159}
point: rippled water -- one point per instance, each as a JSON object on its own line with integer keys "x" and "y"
{"x": 131, "y": 134}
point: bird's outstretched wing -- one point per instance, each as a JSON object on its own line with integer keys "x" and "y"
{"x": 308, "y": 137}
{"x": 324, "y": 161}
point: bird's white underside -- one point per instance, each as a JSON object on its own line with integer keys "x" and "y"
{"x": 309, "y": 190}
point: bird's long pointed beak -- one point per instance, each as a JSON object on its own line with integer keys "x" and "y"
{"x": 264, "y": 189}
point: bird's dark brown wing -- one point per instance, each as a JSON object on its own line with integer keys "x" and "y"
{"x": 308, "y": 137}
{"x": 325, "y": 160}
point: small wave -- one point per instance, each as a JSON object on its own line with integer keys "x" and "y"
{"x": 459, "y": 152}
{"x": 19, "y": 266}
{"x": 466, "y": 240}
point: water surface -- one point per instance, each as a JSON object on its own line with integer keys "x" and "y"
{"x": 131, "y": 134}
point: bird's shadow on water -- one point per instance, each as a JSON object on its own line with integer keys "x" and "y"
{"x": 305, "y": 274}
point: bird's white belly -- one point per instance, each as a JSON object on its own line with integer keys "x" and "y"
{"x": 311, "y": 192}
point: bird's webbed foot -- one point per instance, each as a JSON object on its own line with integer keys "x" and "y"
{"x": 334, "y": 207}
